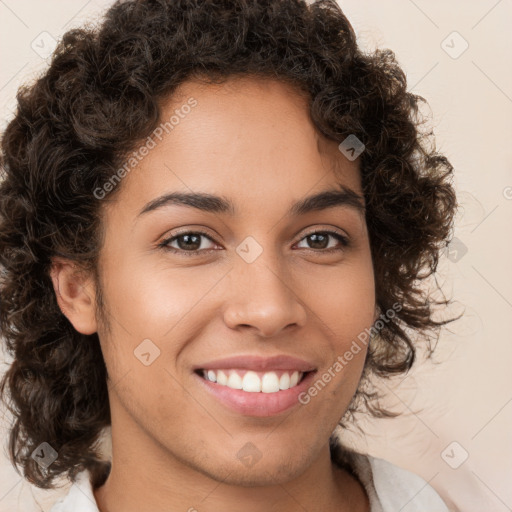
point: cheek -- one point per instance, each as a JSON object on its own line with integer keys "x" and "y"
{"x": 343, "y": 308}
{"x": 155, "y": 313}
{"x": 151, "y": 300}
{"x": 342, "y": 298}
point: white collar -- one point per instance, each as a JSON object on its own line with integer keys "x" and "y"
{"x": 80, "y": 496}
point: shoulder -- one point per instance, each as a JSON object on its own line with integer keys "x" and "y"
{"x": 79, "y": 497}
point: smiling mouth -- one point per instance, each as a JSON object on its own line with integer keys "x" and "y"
{"x": 253, "y": 381}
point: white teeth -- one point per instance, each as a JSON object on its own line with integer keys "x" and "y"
{"x": 284, "y": 381}
{"x": 270, "y": 383}
{"x": 235, "y": 381}
{"x": 222, "y": 378}
{"x": 251, "y": 382}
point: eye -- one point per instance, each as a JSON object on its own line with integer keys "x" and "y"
{"x": 319, "y": 239}
{"x": 188, "y": 242}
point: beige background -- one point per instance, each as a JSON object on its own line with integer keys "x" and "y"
{"x": 462, "y": 407}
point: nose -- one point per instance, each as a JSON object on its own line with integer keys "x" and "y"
{"x": 262, "y": 298}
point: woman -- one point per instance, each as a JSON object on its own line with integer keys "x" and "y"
{"x": 215, "y": 221}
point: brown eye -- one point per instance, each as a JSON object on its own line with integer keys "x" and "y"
{"x": 319, "y": 241}
{"x": 188, "y": 243}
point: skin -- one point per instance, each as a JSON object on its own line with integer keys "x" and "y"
{"x": 174, "y": 447}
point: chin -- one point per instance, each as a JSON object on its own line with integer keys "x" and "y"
{"x": 250, "y": 467}
{"x": 261, "y": 475}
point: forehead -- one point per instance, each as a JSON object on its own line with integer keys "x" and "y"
{"x": 250, "y": 139}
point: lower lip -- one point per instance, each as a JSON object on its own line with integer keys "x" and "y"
{"x": 257, "y": 404}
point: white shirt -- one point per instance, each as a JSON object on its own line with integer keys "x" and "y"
{"x": 389, "y": 488}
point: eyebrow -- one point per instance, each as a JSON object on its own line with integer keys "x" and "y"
{"x": 218, "y": 204}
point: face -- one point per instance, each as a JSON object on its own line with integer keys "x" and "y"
{"x": 279, "y": 289}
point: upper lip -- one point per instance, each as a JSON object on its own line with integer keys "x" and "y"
{"x": 258, "y": 363}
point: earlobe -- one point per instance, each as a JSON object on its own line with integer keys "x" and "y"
{"x": 75, "y": 295}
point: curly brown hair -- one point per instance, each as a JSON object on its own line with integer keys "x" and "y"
{"x": 101, "y": 95}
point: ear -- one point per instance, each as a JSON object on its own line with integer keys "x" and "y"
{"x": 75, "y": 294}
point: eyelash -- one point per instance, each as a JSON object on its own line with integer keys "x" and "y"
{"x": 164, "y": 244}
